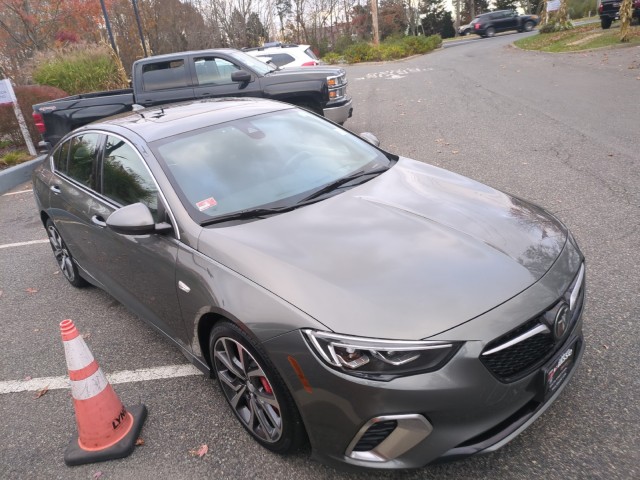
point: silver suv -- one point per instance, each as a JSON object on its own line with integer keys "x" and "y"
{"x": 285, "y": 55}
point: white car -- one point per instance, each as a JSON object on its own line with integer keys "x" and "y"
{"x": 285, "y": 55}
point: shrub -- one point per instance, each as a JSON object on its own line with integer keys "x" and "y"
{"x": 332, "y": 58}
{"x": 27, "y": 96}
{"x": 81, "y": 69}
{"x": 391, "y": 49}
{"x": 13, "y": 158}
{"x": 555, "y": 26}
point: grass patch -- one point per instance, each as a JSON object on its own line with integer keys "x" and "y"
{"x": 580, "y": 38}
{"x": 13, "y": 158}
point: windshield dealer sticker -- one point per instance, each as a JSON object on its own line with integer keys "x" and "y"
{"x": 207, "y": 203}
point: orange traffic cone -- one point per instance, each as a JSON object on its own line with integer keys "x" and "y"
{"x": 106, "y": 430}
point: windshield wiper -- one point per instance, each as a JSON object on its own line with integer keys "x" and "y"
{"x": 341, "y": 181}
{"x": 254, "y": 213}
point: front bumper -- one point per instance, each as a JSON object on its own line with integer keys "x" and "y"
{"x": 339, "y": 113}
{"x": 460, "y": 410}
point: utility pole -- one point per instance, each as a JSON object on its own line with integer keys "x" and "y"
{"x": 108, "y": 25}
{"x": 374, "y": 19}
{"x": 137, "y": 14}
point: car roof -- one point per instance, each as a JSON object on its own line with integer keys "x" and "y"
{"x": 164, "y": 121}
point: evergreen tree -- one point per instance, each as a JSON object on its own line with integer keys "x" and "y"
{"x": 506, "y": 4}
{"x": 434, "y": 19}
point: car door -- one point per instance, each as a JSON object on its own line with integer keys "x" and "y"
{"x": 213, "y": 79}
{"x": 138, "y": 270}
{"x": 164, "y": 82}
{"x": 72, "y": 196}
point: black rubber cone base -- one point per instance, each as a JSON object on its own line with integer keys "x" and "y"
{"x": 75, "y": 455}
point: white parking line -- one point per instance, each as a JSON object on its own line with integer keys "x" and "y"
{"x": 17, "y": 193}
{"x": 22, "y": 244}
{"x": 124, "y": 376}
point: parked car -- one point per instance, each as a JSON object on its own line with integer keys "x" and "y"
{"x": 488, "y": 24}
{"x": 192, "y": 75}
{"x": 389, "y": 311}
{"x": 285, "y": 55}
{"x": 609, "y": 11}
{"x": 464, "y": 29}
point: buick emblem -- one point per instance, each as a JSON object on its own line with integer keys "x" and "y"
{"x": 561, "y": 323}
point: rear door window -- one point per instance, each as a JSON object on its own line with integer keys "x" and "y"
{"x": 83, "y": 153}
{"x": 164, "y": 75}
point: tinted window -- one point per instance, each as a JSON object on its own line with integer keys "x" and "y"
{"x": 125, "y": 178}
{"x": 82, "y": 155}
{"x": 279, "y": 59}
{"x": 164, "y": 75}
{"x": 310, "y": 53}
{"x": 60, "y": 157}
{"x": 211, "y": 70}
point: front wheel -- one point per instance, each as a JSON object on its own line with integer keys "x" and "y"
{"x": 254, "y": 390}
{"x": 63, "y": 256}
{"x": 528, "y": 26}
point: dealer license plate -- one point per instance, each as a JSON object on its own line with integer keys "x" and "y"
{"x": 558, "y": 369}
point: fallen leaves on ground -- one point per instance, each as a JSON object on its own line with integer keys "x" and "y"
{"x": 27, "y": 378}
{"x": 201, "y": 451}
{"x": 139, "y": 442}
{"x": 97, "y": 475}
{"x": 41, "y": 392}
{"x": 31, "y": 290}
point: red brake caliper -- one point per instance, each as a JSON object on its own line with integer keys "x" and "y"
{"x": 266, "y": 385}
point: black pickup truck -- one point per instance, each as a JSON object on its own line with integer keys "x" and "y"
{"x": 609, "y": 11}
{"x": 197, "y": 75}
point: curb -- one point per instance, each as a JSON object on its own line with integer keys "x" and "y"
{"x": 14, "y": 176}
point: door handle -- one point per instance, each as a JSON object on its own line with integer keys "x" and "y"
{"x": 55, "y": 189}
{"x": 99, "y": 221}
{"x": 205, "y": 94}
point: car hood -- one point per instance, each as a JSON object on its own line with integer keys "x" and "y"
{"x": 414, "y": 252}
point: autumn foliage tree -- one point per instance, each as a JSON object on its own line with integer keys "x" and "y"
{"x": 30, "y": 26}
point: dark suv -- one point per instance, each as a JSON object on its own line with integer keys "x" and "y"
{"x": 488, "y": 24}
{"x": 609, "y": 11}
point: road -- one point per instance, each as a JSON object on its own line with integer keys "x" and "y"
{"x": 561, "y": 131}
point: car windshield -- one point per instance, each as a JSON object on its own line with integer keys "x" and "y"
{"x": 278, "y": 159}
{"x": 257, "y": 65}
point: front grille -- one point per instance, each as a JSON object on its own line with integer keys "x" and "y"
{"x": 520, "y": 357}
{"x": 375, "y": 435}
{"x": 533, "y": 341}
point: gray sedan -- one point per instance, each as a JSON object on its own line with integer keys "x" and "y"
{"x": 386, "y": 311}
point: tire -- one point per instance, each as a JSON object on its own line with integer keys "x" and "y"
{"x": 490, "y": 32}
{"x": 605, "y": 23}
{"x": 254, "y": 390}
{"x": 528, "y": 26}
{"x": 63, "y": 256}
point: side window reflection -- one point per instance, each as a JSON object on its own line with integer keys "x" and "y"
{"x": 125, "y": 178}
{"x": 82, "y": 156}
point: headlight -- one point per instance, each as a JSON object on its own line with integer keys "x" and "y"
{"x": 379, "y": 359}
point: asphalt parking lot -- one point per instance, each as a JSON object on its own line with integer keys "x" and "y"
{"x": 534, "y": 126}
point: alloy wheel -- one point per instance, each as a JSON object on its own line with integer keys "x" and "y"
{"x": 61, "y": 253}
{"x": 247, "y": 389}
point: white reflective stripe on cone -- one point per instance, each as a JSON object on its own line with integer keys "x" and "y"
{"x": 77, "y": 354}
{"x": 89, "y": 387}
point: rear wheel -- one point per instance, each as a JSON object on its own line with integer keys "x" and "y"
{"x": 63, "y": 257}
{"x": 491, "y": 32}
{"x": 605, "y": 23}
{"x": 254, "y": 390}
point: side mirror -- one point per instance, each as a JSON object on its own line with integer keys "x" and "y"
{"x": 135, "y": 219}
{"x": 371, "y": 138}
{"x": 241, "y": 76}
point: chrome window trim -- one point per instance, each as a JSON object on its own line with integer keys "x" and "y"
{"x": 103, "y": 198}
{"x": 540, "y": 328}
